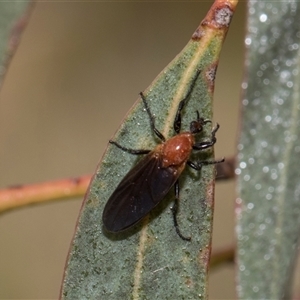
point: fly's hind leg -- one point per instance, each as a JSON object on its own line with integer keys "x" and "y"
{"x": 197, "y": 166}
{"x": 174, "y": 210}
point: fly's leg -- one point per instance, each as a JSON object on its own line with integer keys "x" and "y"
{"x": 174, "y": 210}
{"x": 199, "y": 164}
{"x": 152, "y": 123}
{"x": 177, "y": 120}
{"x": 131, "y": 151}
{"x": 152, "y": 119}
{"x": 205, "y": 145}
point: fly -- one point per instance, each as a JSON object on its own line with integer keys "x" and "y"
{"x": 149, "y": 181}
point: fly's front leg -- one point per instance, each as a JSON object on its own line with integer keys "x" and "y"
{"x": 199, "y": 164}
{"x": 205, "y": 145}
{"x": 177, "y": 120}
{"x": 174, "y": 210}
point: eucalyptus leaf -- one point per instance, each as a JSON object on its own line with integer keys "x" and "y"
{"x": 150, "y": 261}
{"x": 11, "y": 25}
{"x": 268, "y": 209}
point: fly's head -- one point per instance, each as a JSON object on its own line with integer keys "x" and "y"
{"x": 197, "y": 126}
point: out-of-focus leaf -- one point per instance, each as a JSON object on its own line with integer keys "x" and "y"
{"x": 12, "y": 22}
{"x": 268, "y": 207}
{"x": 150, "y": 261}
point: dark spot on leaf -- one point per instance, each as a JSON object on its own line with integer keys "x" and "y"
{"x": 198, "y": 34}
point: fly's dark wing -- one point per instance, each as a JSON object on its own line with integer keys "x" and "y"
{"x": 138, "y": 193}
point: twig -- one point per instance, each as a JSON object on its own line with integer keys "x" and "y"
{"x": 18, "y": 196}
{"x": 21, "y": 195}
{"x": 222, "y": 256}
{"x": 225, "y": 170}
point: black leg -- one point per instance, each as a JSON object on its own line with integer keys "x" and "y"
{"x": 205, "y": 145}
{"x": 131, "y": 151}
{"x": 177, "y": 120}
{"x": 198, "y": 165}
{"x": 152, "y": 122}
{"x": 175, "y": 211}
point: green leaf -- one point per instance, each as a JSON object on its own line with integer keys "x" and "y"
{"x": 268, "y": 209}
{"x": 150, "y": 261}
{"x": 11, "y": 27}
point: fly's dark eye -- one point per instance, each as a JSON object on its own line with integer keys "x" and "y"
{"x": 196, "y": 127}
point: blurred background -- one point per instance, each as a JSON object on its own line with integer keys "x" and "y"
{"x": 76, "y": 73}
